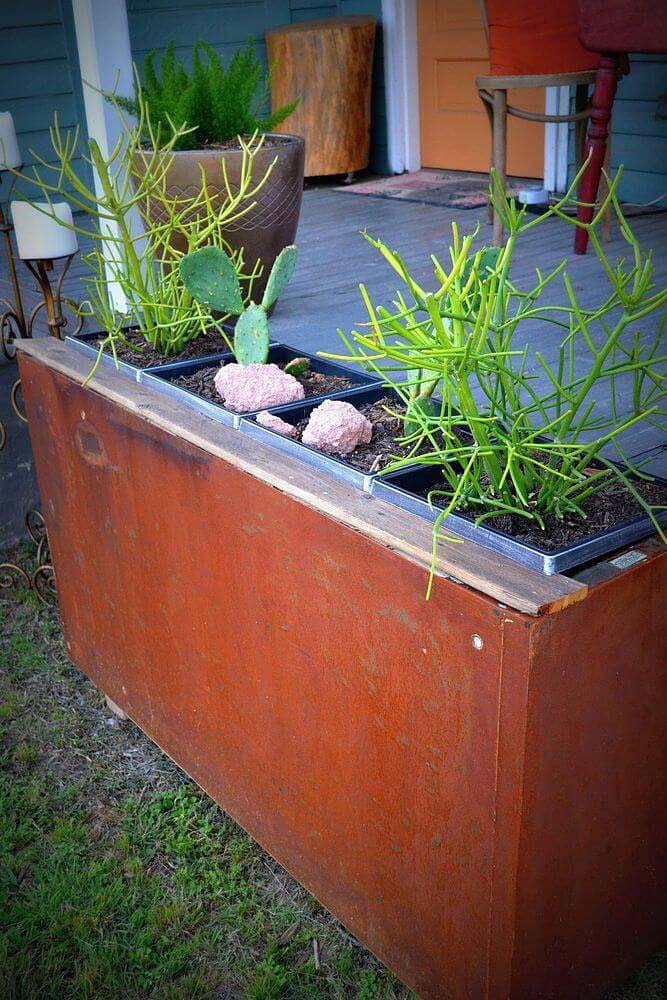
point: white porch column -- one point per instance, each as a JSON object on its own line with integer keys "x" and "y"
{"x": 105, "y": 58}
{"x": 556, "y": 136}
{"x": 399, "y": 33}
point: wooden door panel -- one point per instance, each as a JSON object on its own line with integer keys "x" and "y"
{"x": 455, "y": 132}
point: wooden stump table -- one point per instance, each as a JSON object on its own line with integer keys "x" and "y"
{"x": 328, "y": 65}
{"x": 473, "y": 784}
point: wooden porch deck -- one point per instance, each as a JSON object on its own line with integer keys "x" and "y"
{"x": 334, "y": 258}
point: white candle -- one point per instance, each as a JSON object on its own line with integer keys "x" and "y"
{"x": 41, "y": 236}
{"x": 10, "y": 154}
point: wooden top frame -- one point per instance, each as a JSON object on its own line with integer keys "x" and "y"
{"x": 469, "y": 564}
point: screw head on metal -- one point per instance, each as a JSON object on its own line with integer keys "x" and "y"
{"x": 477, "y": 641}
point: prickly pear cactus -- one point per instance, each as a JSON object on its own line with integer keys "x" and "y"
{"x": 297, "y": 366}
{"x": 210, "y": 277}
{"x": 488, "y": 258}
{"x": 251, "y": 336}
{"x": 281, "y": 272}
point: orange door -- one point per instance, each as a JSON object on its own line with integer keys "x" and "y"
{"x": 455, "y": 132}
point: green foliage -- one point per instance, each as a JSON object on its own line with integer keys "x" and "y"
{"x": 420, "y": 409}
{"x": 504, "y": 444}
{"x": 142, "y": 260}
{"x": 281, "y": 274}
{"x": 215, "y": 103}
{"x": 251, "y": 336}
{"x": 210, "y": 277}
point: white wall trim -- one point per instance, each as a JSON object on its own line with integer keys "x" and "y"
{"x": 399, "y": 33}
{"x": 556, "y": 138}
{"x": 105, "y": 57}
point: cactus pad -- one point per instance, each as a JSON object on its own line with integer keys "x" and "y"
{"x": 281, "y": 272}
{"x": 251, "y": 336}
{"x": 297, "y": 366}
{"x": 210, "y": 277}
{"x": 488, "y": 259}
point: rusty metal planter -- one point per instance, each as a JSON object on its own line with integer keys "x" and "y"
{"x": 473, "y": 785}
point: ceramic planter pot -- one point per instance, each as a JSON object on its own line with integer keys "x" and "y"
{"x": 271, "y": 224}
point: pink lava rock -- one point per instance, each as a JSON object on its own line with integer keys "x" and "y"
{"x": 337, "y": 428}
{"x": 274, "y": 423}
{"x": 254, "y": 387}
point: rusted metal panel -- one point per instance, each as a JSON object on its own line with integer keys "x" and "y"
{"x": 479, "y": 816}
{"x": 592, "y": 879}
{"x": 293, "y": 668}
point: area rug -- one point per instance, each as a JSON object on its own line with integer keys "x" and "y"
{"x": 447, "y": 188}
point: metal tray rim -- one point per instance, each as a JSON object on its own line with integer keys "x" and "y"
{"x": 337, "y": 467}
{"x": 155, "y": 377}
{"x": 556, "y": 561}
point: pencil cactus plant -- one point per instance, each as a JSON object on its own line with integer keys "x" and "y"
{"x": 210, "y": 277}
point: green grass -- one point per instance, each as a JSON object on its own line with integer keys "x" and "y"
{"x": 120, "y": 878}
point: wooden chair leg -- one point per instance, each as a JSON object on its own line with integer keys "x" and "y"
{"x": 601, "y": 105}
{"x": 499, "y": 154}
{"x": 489, "y": 114}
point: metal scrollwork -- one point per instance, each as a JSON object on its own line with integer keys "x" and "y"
{"x": 10, "y": 329}
{"x": 42, "y": 579}
{"x": 14, "y": 399}
{"x": 11, "y": 576}
{"x": 16, "y": 325}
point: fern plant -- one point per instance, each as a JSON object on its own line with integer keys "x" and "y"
{"x": 216, "y": 103}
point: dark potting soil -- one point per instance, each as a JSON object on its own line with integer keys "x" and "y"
{"x": 383, "y": 447}
{"x": 270, "y": 141}
{"x": 613, "y": 506}
{"x": 314, "y": 383}
{"x": 145, "y": 357}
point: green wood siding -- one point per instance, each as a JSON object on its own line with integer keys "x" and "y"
{"x": 226, "y": 25}
{"x": 638, "y": 137}
{"x": 39, "y": 75}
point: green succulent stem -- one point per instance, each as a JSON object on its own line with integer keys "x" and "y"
{"x": 511, "y": 431}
